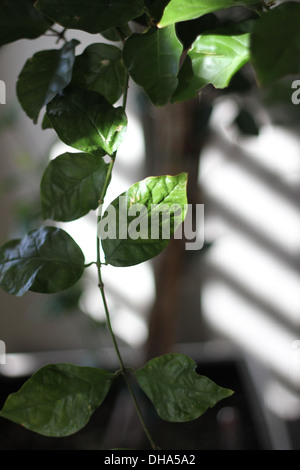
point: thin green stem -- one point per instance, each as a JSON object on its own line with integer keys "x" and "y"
{"x": 123, "y": 370}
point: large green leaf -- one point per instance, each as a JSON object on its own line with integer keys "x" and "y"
{"x": 138, "y": 224}
{"x": 59, "y": 399}
{"x": 213, "y": 58}
{"x": 183, "y": 10}
{"x": 43, "y": 76}
{"x": 71, "y": 186}
{"x": 89, "y": 15}
{"x": 100, "y": 68}
{"x": 86, "y": 121}
{"x": 176, "y": 390}
{"x": 45, "y": 260}
{"x": 275, "y": 43}
{"x": 152, "y": 60}
{"x": 19, "y": 19}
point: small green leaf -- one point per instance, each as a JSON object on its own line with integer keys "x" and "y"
{"x": 59, "y": 399}
{"x": 43, "y": 76}
{"x": 183, "y": 10}
{"x": 71, "y": 186}
{"x": 86, "y": 121}
{"x": 45, "y": 260}
{"x": 117, "y": 34}
{"x": 152, "y": 59}
{"x": 213, "y": 58}
{"x": 89, "y": 15}
{"x": 19, "y": 19}
{"x": 100, "y": 68}
{"x": 138, "y": 224}
{"x": 178, "y": 393}
{"x": 275, "y": 43}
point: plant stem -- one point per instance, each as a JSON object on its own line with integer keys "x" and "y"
{"x": 102, "y": 291}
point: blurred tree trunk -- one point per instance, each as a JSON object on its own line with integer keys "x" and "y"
{"x": 174, "y": 137}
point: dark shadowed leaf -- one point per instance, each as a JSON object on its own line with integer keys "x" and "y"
{"x": 138, "y": 224}
{"x": 59, "y": 399}
{"x": 19, "y": 19}
{"x": 183, "y": 10}
{"x": 45, "y": 260}
{"x": 176, "y": 390}
{"x": 275, "y": 50}
{"x": 100, "y": 68}
{"x": 43, "y": 76}
{"x": 71, "y": 186}
{"x": 86, "y": 121}
{"x": 152, "y": 60}
{"x": 89, "y": 15}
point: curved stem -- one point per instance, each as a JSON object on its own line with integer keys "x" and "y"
{"x": 123, "y": 371}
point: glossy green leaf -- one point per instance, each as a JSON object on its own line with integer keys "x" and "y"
{"x": 71, "y": 186}
{"x": 45, "y": 260}
{"x": 138, "y": 224}
{"x": 59, "y": 399}
{"x": 100, "y": 68}
{"x": 152, "y": 60}
{"x": 19, "y": 19}
{"x": 213, "y": 58}
{"x": 89, "y": 15}
{"x": 86, "y": 121}
{"x": 183, "y": 10}
{"x": 176, "y": 390}
{"x": 275, "y": 43}
{"x": 43, "y": 76}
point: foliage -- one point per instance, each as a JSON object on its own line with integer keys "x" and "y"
{"x": 171, "y": 50}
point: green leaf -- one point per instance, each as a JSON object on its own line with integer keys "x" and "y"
{"x": 71, "y": 186}
{"x": 43, "y": 76}
{"x": 138, "y": 224}
{"x": 178, "y": 393}
{"x": 59, "y": 399}
{"x": 86, "y": 121}
{"x": 183, "y": 10}
{"x": 117, "y": 34}
{"x": 213, "y": 58}
{"x": 89, "y": 15}
{"x": 100, "y": 68}
{"x": 19, "y": 19}
{"x": 45, "y": 260}
{"x": 152, "y": 59}
{"x": 275, "y": 43}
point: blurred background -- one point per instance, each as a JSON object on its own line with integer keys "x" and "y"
{"x": 233, "y": 306}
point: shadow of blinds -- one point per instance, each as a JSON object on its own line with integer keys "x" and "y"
{"x": 251, "y": 292}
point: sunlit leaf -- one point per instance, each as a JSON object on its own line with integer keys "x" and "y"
{"x": 183, "y": 10}
{"x": 176, "y": 390}
{"x": 45, "y": 260}
{"x": 213, "y": 58}
{"x": 59, "y": 399}
{"x": 138, "y": 224}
